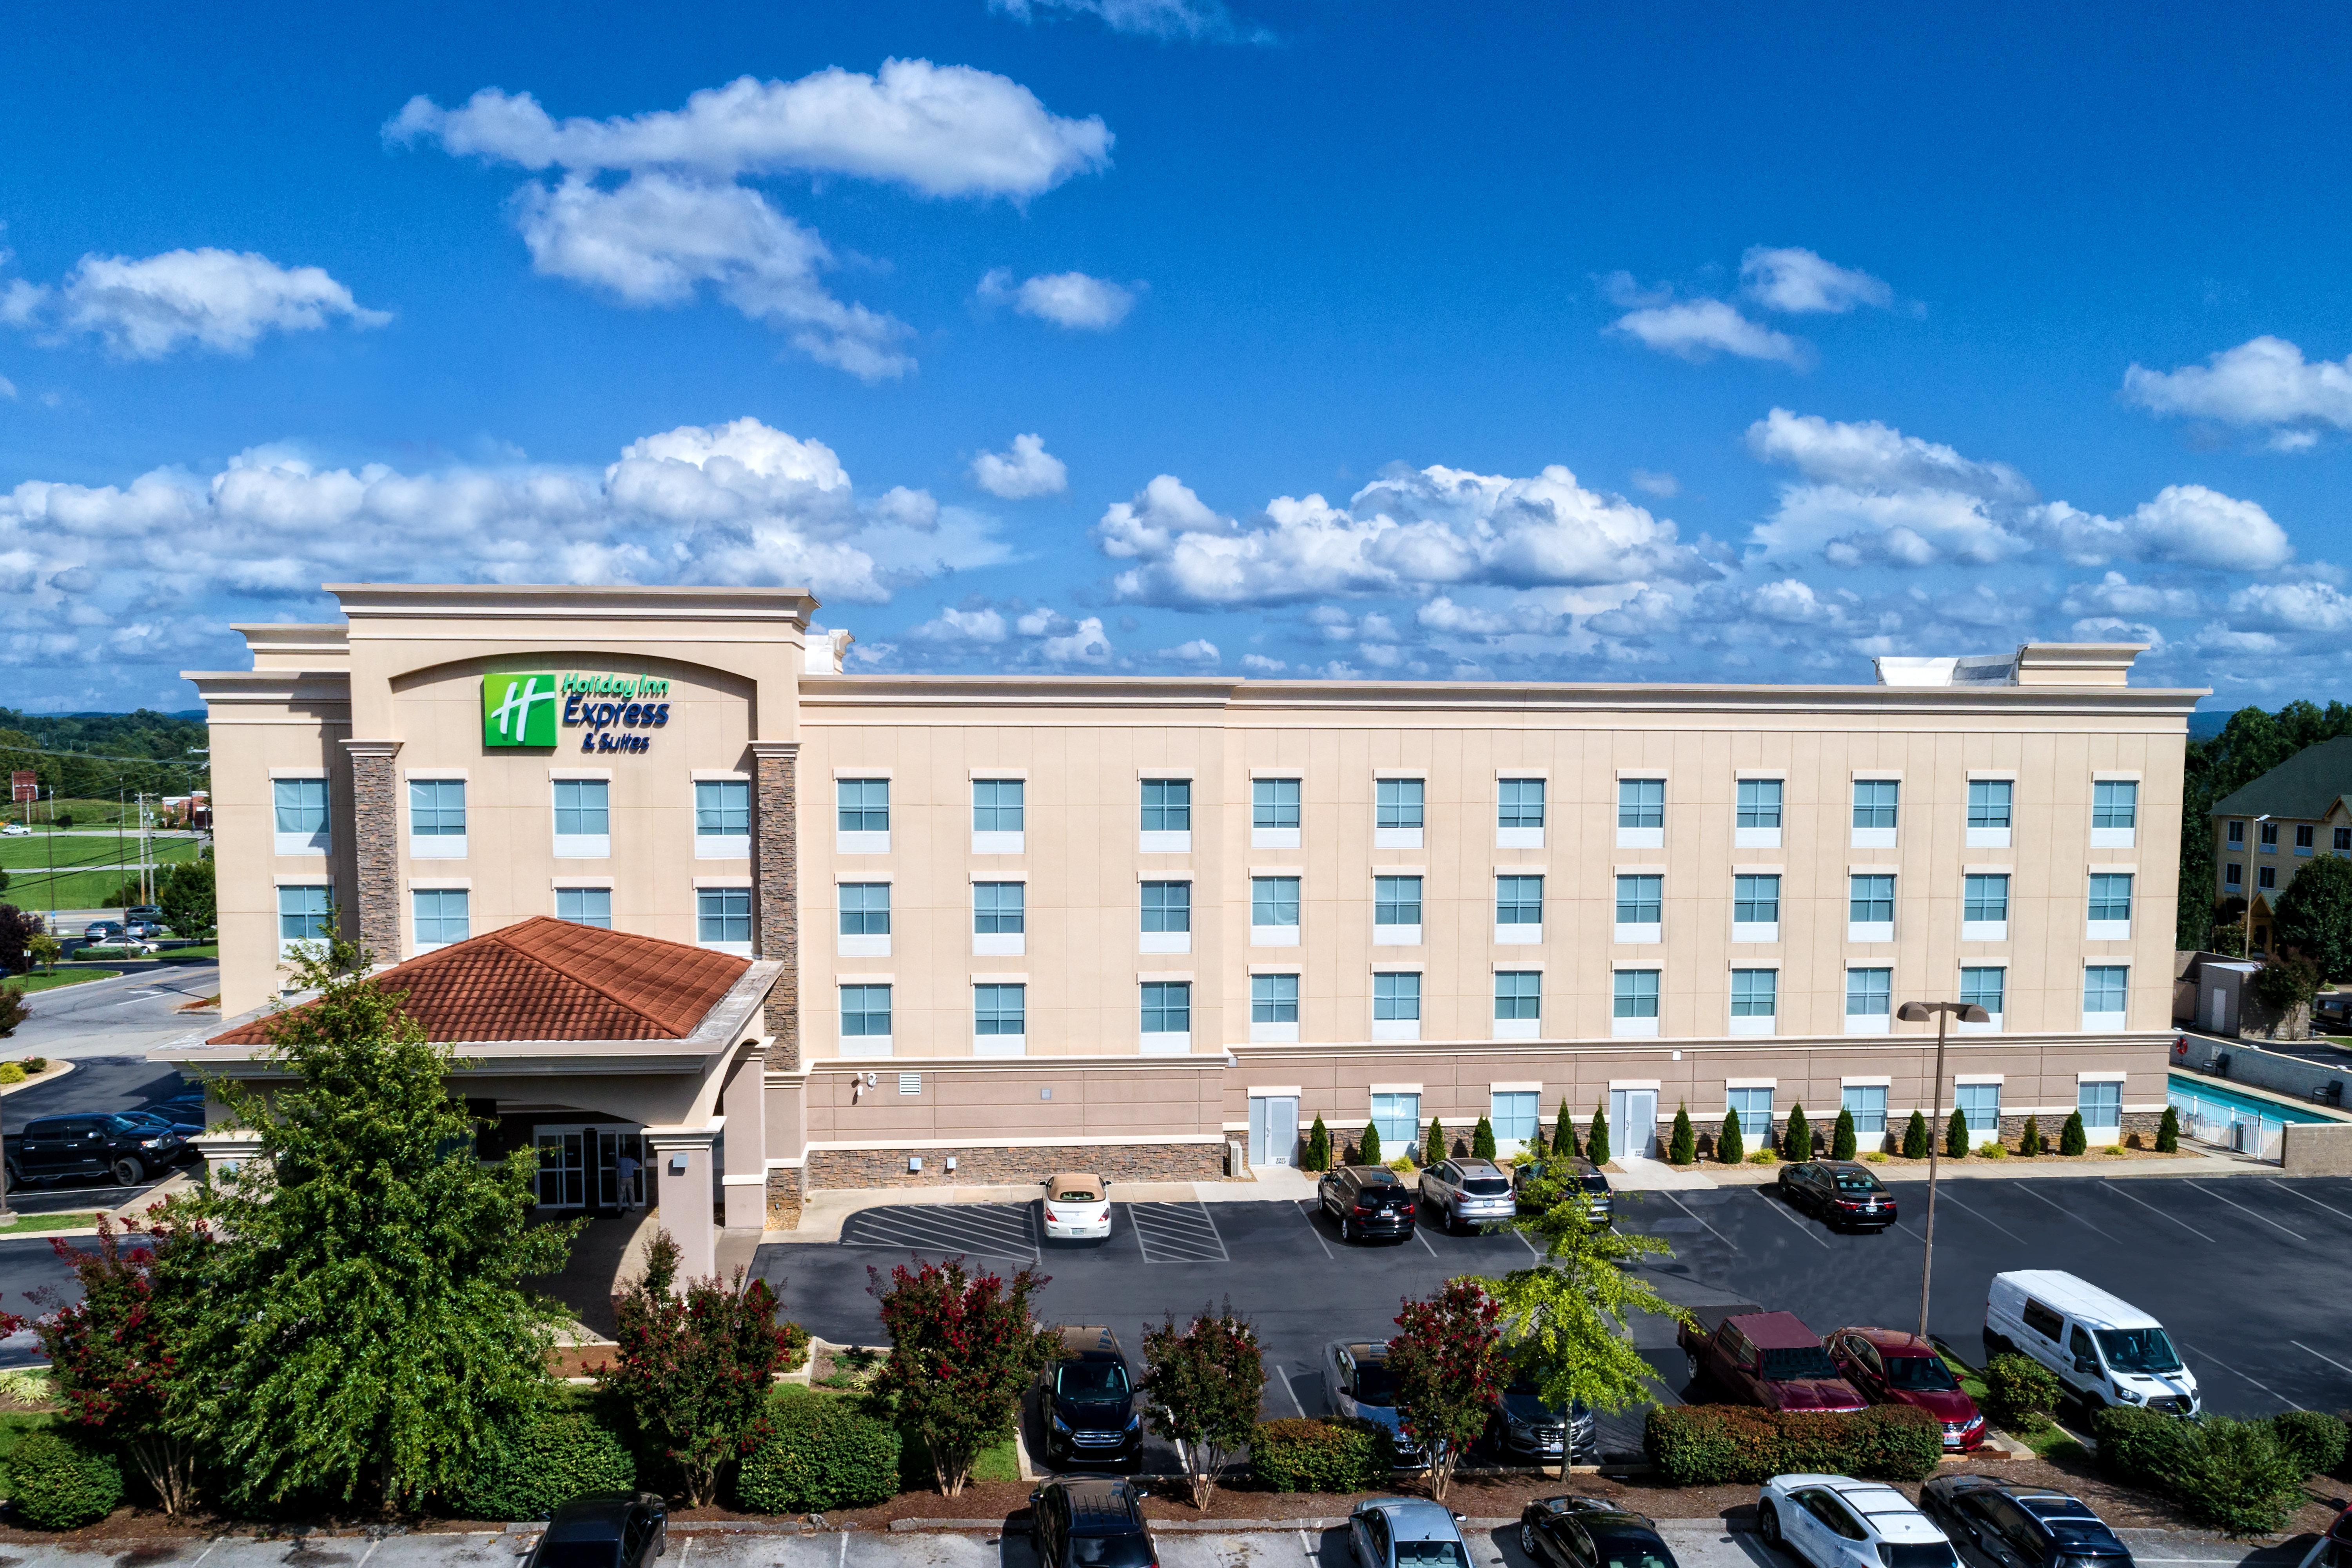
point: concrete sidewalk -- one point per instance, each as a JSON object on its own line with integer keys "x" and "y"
{"x": 823, "y": 1212}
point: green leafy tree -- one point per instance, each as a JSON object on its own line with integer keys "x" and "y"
{"x": 2167, "y": 1133}
{"x": 1956, "y": 1136}
{"x": 1450, "y": 1370}
{"x": 2072, "y": 1138}
{"x": 1731, "y": 1143}
{"x": 1842, "y": 1141}
{"x": 1433, "y": 1142}
{"x": 1534, "y": 1147}
{"x": 14, "y": 1009}
{"x": 45, "y": 949}
{"x": 1568, "y": 1321}
{"x": 187, "y": 900}
{"x": 963, "y": 1348}
{"x": 1201, "y": 1388}
{"x": 365, "y": 1323}
{"x": 1367, "y": 1147}
{"x": 1563, "y": 1135}
{"x": 1596, "y": 1142}
{"x": 18, "y": 930}
{"x": 1799, "y": 1136}
{"x": 2313, "y": 916}
{"x": 1683, "y": 1147}
{"x": 1318, "y": 1147}
{"x": 1915, "y": 1137}
{"x": 2029, "y": 1139}
{"x": 695, "y": 1365}
{"x": 1482, "y": 1139}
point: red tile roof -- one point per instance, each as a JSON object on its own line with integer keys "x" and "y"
{"x": 545, "y": 979}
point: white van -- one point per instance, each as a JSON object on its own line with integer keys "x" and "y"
{"x": 2103, "y": 1350}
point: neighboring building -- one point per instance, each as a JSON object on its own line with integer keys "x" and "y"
{"x": 2263, "y": 833}
{"x": 1017, "y": 923}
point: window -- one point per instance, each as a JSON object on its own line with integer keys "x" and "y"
{"x": 1167, "y": 1008}
{"x": 585, "y": 906}
{"x": 1988, "y": 801}
{"x": 2266, "y": 876}
{"x": 1869, "y": 993}
{"x": 997, "y": 804}
{"x": 1640, "y": 900}
{"x": 865, "y": 1011}
{"x": 1755, "y": 1107}
{"x": 302, "y": 806}
{"x": 2103, "y": 989}
{"x": 302, "y": 914}
{"x": 1519, "y": 993}
{"x": 722, "y": 808}
{"x": 2344, "y": 841}
{"x": 723, "y": 915}
{"x": 1513, "y": 1113}
{"x": 437, "y": 807}
{"x": 1274, "y": 802}
{"x": 1274, "y": 999}
{"x": 1870, "y": 900}
{"x": 1167, "y": 906}
{"x": 2233, "y": 875}
{"x": 1398, "y": 803}
{"x": 999, "y": 909}
{"x": 1755, "y": 993}
{"x": 999, "y": 1010}
{"x": 1397, "y": 1119}
{"x": 1519, "y": 803}
{"x": 2237, "y": 833}
{"x": 2114, "y": 803}
{"x": 1635, "y": 993}
{"x": 864, "y": 908}
{"x": 1518, "y": 901}
{"x": 1396, "y": 998}
{"x": 1979, "y": 1105}
{"x": 1640, "y": 803}
{"x": 583, "y": 808}
{"x": 2102, "y": 1105}
{"x": 2303, "y": 838}
{"x": 2269, "y": 835}
{"x": 1760, "y": 802}
{"x": 1867, "y": 1104}
{"x": 1983, "y": 988}
{"x": 441, "y": 915}
{"x": 1875, "y": 801}
{"x": 2111, "y": 897}
{"x": 1396, "y": 901}
{"x": 1984, "y": 899}
{"x": 862, "y": 805}
{"x": 1168, "y": 806}
{"x": 1273, "y": 903}
{"x": 1756, "y": 901}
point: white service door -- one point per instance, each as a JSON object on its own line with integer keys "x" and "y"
{"x": 1634, "y": 1122}
{"x": 2219, "y": 1009}
{"x": 1274, "y": 1129}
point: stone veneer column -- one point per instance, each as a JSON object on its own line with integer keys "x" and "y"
{"x": 775, "y": 890}
{"x": 375, "y": 843}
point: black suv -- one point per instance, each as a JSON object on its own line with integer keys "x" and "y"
{"x": 1091, "y": 1522}
{"x": 2005, "y": 1524}
{"x": 1366, "y": 1201}
{"x": 1589, "y": 1532}
{"x": 607, "y": 1530}
{"x": 1840, "y": 1192}
{"x": 53, "y": 1148}
{"x": 1087, "y": 1401}
{"x": 1600, "y": 1202}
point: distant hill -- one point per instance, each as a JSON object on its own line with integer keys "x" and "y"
{"x": 2205, "y": 725}
{"x": 98, "y": 756}
{"x": 145, "y": 733}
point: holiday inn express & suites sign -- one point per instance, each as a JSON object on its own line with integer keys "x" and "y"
{"x": 533, "y": 708}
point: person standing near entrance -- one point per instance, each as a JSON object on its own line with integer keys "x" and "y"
{"x": 626, "y": 1167}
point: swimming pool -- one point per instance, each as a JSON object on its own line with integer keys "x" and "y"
{"x": 2247, "y": 1123}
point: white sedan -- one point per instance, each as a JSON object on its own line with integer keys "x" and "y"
{"x": 1836, "y": 1521}
{"x": 1076, "y": 1208}
{"x": 15, "y": 830}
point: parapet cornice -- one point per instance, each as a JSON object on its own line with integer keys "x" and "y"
{"x": 493, "y": 602}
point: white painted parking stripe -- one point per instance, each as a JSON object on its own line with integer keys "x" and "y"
{"x": 2256, "y": 1213}
{"x": 1424, "y": 1241}
{"x": 2321, "y": 1356}
{"x": 1316, "y": 1230}
{"x": 1281, "y": 1373}
{"x": 1782, "y": 1210}
{"x": 1966, "y": 1208}
{"x": 1178, "y": 1233}
{"x": 2111, "y": 1187}
{"x": 1710, "y": 1229}
{"x": 2306, "y": 1197}
{"x": 2240, "y": 1376}
{"x": 2027, "y": 1188}
{"x": 990, "y": 1234}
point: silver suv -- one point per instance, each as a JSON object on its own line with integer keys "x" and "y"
{"x": 1468, "y": 1192}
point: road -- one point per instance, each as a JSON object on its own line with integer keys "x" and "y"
{"x": 115, "y": 1017}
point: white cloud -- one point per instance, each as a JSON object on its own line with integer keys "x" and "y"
{"x": 1664, "y": 486}
{"x": 2186, "y": 523}
{"x": 1199, "y": 651}
{"x": 1868, "y": 455}
{"x": 965, "y": 627}
{"x": 1698, "y": 330}
{"x": 945, "y": 131}
{"x": 224, "y": 300}
{"x": 1204, "y": 20}
{"x": 1071, "y": 300}
{"x": 2116, "y": 594}
{"x": 1406, "y": 531}
{"x": 1027, "y": 470}
{"x": 1258, "y": 663}
{"x": 2262, "y": 382}
{"x": 1084, "y": 643}
{"x": 1798, "y": 281}
{"x": 2292, "y": 607}
{"x": 7, "y": 389}
{"x": 657, "y": 237}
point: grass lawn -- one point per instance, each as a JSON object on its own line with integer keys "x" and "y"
{"x": 66, "y": 890}
{"x": 29, "y": 983}
{"x": 200, "y": 950}
{"x": 27, "y": 1224}
{"x": 73, "y": 850}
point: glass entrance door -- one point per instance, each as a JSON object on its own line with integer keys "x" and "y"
{"x": 580, "y": 1167}
{"x": 562, "y": 1167}
{"x": 614, "y": 1144}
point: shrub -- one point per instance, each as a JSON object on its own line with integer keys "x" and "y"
{"x": 1988, "y": 1150}
{"x": 37, "y": 1064}
{"x": 1318, "y": 1147}
{"x": 1202, "y": 1388}
{"x": 1682, "y": 1148}
{"x": 2167, "y": 1133}
{"x": 2234, "y": 1475}
{"x": 1714, "y": 1445}
{"x": 2315, "y": 1442}
{"x": 822, "y": 1452}
{"x": 2072, "y": 1138}
{"x": 1482, "y": 1139}
{"x": 2028, "y": 1142}
{"x": 1800, "y": 1138}
{"x": 1433, "y": 1142}
{"x": 1914, "y": 1138}
{"x": 1842, "y": 1141}
{"x": 530, "y": 1473}
{"x": 1956, "y": 1136}
{"x": 12, "y": 1072}
{"x": 1730, "y": 1146}
{"x": 1367, "y": 1147}
{"x": 2287, "y": 983}
{"x": 1335, "y": 1455}
{"x": 1596, "y": 1143}
{"x": 60, "y": 1484}
{"x": 2020, "y": 1393}
{"x": 1764, "y": 1157}
{"x": 1563, "y": 1134}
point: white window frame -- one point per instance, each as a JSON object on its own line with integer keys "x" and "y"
{"x": 1277, "y": 936}
{"x": 863, "y": 944}
{"x": 1001, "y": 841}
{"x": 1277, "y": 837}
{"x": 1875, "y": 837}
{"x": 437, "y": 846}
{"x": 1755, "y": 931}
{"x": 581, "y": 846}
{"x": 1163, "y": 840}
{"x": 1519, "y": 837}
{"x": 1398, "y": 837}
{"x": 739, "y": 949}
{"x": 1986, "y": 931}
{"x": 1641, "y": 838}
{"x": 1758, "y": 837}
{"x": 721, "y": 846}
{"x": 312, "y": 843}
{"x": 1870, "y": 931}
{"x": 864, "y": 1046}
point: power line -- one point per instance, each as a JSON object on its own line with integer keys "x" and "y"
{"x": 103, "y": 757}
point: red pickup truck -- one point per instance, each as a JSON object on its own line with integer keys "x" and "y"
{"x": 1769, "y": 1359}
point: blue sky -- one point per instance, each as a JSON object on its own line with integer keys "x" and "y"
{"x": 1166, "y": 336}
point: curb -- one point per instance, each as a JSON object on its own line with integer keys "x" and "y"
{"x": 59, "y": 1066}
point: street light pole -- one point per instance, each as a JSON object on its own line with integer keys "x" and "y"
{"x": 1942, "y": 1011}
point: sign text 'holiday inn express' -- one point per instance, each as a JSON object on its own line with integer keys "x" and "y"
{"x": 532, "y": 709}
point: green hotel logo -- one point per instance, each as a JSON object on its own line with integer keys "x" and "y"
{"x": 519, "y": 710}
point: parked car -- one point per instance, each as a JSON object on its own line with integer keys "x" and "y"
{"x": 615, "y": 1530}
{"x": 1766, "y": 1358}
{"x": 2102, "y": 1349}
{"x": 2008, "y": 1524}
{"x": 1356, "y": 1383}
{"x": 1524, "y": 1427}
{"x": 1838, "y": 1192}
{"x": 1467, "y": 1192}
{"x": 1367, "y": 1201}
{"x": 1076, "y": 1208}
{"x": 167, "y": 1118}
{"x": 1087, "y": 1401}
{"x": 2336, "y": 1543}
{"x": 1836, "y": 1521}
{"x": 145, "y": 914}
{"x": 1600, "y": 1203}
{"x": 142, "y": 929}
{"x": 15, "y": 830}
{"x": 1589, "y": 1532}
{"x": 1405, "y": 1533}
{"x": 1091, "y": 1522}
{"x": 103, "y": 931}
{"x": 1890, "y": 1366}
{"x": 53, "y": 1148}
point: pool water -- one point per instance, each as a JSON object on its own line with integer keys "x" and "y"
{"x": 2251, "y": 1105}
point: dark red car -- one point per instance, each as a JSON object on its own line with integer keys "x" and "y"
{"x": 1892, "y": 1367}
{"x": 1769, "y": 1359}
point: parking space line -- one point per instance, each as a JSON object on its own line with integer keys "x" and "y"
{"x": 2242, "y": 1377}
{"x": 2306, "y": 1197}
{"x": 1281, "y": 1373}
{"x": 1424, "y": 1241}
{"x": 1986, "y": 1217}
{"x": 1784, "y": 1214}
{"x": 2027, "y": 1188}
{"x": 2323, "y": 1355}
{"x": 1526, "y": 1243}
{"x": 1175, "y": 1231}
{"x": 2257, "y": 1213}
{"x": 1209, "y": 1218}
{"x": 939, "y": 1230}
{"x": 1312, "y": 1227}
{"x": 1710, "y": 1229}
{"x": 2110, "y": 1183}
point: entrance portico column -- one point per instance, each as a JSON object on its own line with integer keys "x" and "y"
{"x": 775, "y": 888}
{"x": 744, "y": 1100}
{"x": 375, "y": 844}
{"x": 683, "y": 1156}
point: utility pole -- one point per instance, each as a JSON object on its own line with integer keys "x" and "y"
{"x": 1942, "y": 1011}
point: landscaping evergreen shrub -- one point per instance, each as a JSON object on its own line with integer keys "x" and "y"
{"x": 1799, "y": 1139}
{"x": 2236, "y": 1476}
{"x": 2028, "y": 1142}
{"x": 824, "y": 1452}
{"x": 1730, "y": 1147}
{"x": 1535, "y": 1147}
{"x": 2167, "y": 1133}
{"x": 2020, "y": 1393}
{"x": 1563, "y": 1134}
{"x": 1335, "y": 1455}
{"x": 1318, "y": 1146}
{"x": 1956, "y": 1137}
{"x": 1432, "y": 1143}
{"x": 60, "y": 1484}
{"x": 1482, "y": 1139}
{"x": 1842, "y": 1141}
{"x": 2071, "y": 1140}
{"x": 12, "y": 1072}
{"x": 1914, "y": 1138}
{"x": 1596, "y": 1144}
{"x": 528, "y": 1474}
{"x": 1683, "y": 1147}
{"x": 1715, "y": 1445}
{"x": 2315, "y": 1441}
{"x": 1367, "y": 1147}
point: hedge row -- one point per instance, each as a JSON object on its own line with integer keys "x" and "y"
{"x": 527, "y": 1473}
{"x": 1336, "y": 1454}
{"x": 1711, "y": 1445}
{"x": 61, "y": 1483}
{"x": 826, "y": 1453}
{"x": 2242, "y": 1477}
